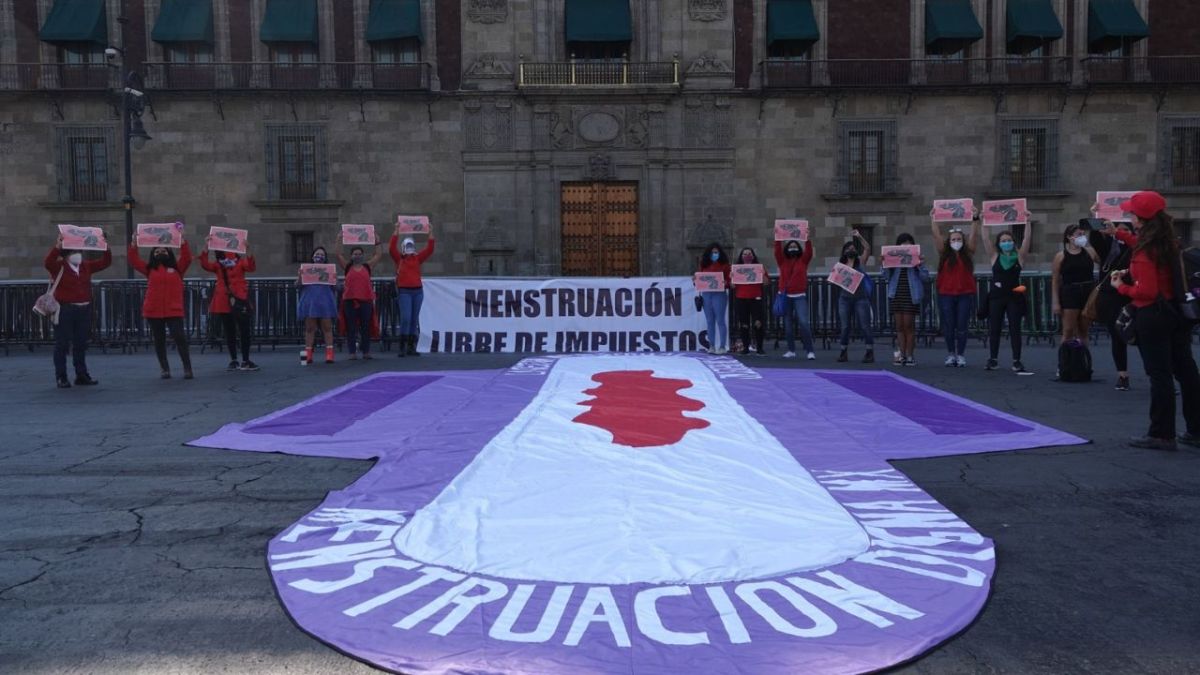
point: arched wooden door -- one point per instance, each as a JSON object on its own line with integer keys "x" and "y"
{"x": 600, "y": 229}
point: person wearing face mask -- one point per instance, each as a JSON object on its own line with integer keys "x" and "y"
{"x": 409, "y": 293}
{"x": 231, "y": 302}
{"x": 956, "y": 286}
{"x": 1006, "y": 297}
{"x": 1074, "y": 274}
{"x": 857, "y": 305}
{"x": 716, "y": 303}
{"x": 163, "y": 306}
{"x": 317, "y": 305}
{"x": 748, "y": 307}
{"x": 906, "y": 292}
{"x": 358, "y": 301}
{"x": 1154, "y": 286}
{"x": 1114, "y": 254}
{"x": 793, "y": 259}
{"x": 74, "y": 295}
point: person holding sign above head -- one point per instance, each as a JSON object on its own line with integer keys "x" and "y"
{"x": 793, "y": 258}
{"x": 748, "y": 306}
{"x": 716, "y": 303}
{"x": 317, "y": 304}
{"x": 231, "y": 302}
{"x": 72, "y": 288}
{"x": 409, "y": 293}
{"x": 906, "y": 292}
{"x": 163, "y": 306}
{"x": 956, "y": 286}
{"x": 358, "y": 299}
{"x": 1006, "y": 294}
{"x": 856, "y": 305}
{"x": 1074, "y": 274}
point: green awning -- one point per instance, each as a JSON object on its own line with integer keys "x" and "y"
{"x": 1031, "y": 23}
{"x": 950, "y": 26}
{"x": 184, "y": 21}
{"x": 1113, "y": 23}
{"x": 394, "y": 20}
{"x": 791, "y": 20}
{"x": 598, "y": 21}
{"x": 290, "y": 21}
{"x": 76, "y": 21}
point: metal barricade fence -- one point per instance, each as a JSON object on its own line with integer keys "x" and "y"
{"x": 118, "y": 322}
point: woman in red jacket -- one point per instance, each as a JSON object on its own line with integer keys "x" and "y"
{"x": 793, "y": 258}
{"x": 409, "y": 293}
{"x": 163, "y": 306}
{"x": 1163, "y": 337}
{"x": 748, "y": 307}
{"x": 74, "y": 295}
{"x": 231, "y": 302}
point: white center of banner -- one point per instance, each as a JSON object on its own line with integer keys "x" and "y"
{"x": 550, "y": 498}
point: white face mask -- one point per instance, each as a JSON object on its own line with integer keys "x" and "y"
{"x": 1081, "y": 241}
{"x": 956, "y": 245}
{"x": 75, "y": 259}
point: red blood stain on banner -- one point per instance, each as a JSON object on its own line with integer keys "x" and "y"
{"x": 640, "y": 410}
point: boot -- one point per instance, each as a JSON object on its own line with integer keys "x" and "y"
{"x": 844, "y": 356}
{"x": 402, "y": 346}
{"x": 412, "y": 345}
{"x": 869, "y": 357}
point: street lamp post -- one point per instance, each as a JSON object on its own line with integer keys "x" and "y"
{"x": 133, "y": 134}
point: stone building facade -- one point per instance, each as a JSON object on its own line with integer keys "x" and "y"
{"x": 712, "y": 119}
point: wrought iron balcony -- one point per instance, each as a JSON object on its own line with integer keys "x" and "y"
{"x": 899, "y": 73}
{"x": 57, "y": 76}
{"x": 1141, "y": 69}
{"x": 324, "y": 76}
{"x": 597, "y": 74}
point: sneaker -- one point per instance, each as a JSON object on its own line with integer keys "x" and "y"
{"x": 165, "y": 375}
{"x": 789, "y": 355}
{"x": 722, "y": 350}
{"x": 951, "y": 361}
{"x": 810, "y": 356}
{"x": 367, "y": 357}
{"x": 85, "y": 380}
{"x": 233, "y": 365}
{"x": 248, "y": 365}
{"x": 1018, "y": 367}
{"x": 910, "y": 361}
{"x": 960, "y": 361}
{"x": 1123, "y": 385}
{"x": 353, "y": 356}
{"x": 869, "y": 357}
{"x": 843, "y": 357}
{"x": 992, "y": 364}
{"x": 62, "y": 382}
{"x": 897, "y": 359}
{"x": 1152, "y": 443}
{"x": 187, "y": 374}
{"x": 1190, "y": 439}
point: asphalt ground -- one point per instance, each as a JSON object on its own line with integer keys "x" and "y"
{"x": 126, "y": 552}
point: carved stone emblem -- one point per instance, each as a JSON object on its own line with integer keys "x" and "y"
{"x": 488, "y": 66}
{"x": 561, "y": 134}
{"x": 487, "y": 11}
{"x": 599, "y": 167}
{"x": 598, "y": 127}
{"x": 706, "y": 10}
{"x": 708, "y": 64}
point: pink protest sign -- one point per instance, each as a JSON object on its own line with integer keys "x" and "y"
{"x": 846, "y": 277}
{"x": 1005, "y": 212}
{"x": 312, "y": 273}
{"x": 788, "y": 230}
{"x": 413, "y": 224}
{"x": 358, "y": 234}
{"x": 79, "y": 238}
{"x": 227, "y": 239}
{"x": 709, "y": 281}
{"x": 1108, "y": 206}
{"x": 747, "y": 274}
{"x": 900, "y": 256}
{"x": 953, "y": 210}
{"x": 153, "y": 235}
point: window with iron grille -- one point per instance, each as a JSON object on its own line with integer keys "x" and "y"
{"x": 867, "y": 157}
{"x": 84, "y": 163}
{"x": 396, "y": 51}
{"x": 189, "y": 52}
{"x": 296, "y": 162}
{"x": 1027, "y": 151}
{"x": 1180, "y": 151}
{"x": 301, "y": 245}
{"x": 610, "y": 52}
{"x": 81, "y": 53}
{"x": 293, "y": 52}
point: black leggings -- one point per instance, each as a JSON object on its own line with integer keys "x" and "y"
{"x": 237, "y": 325}
{"x": 1007, "y": 307}
{"x": 1120, "y": 350}
{"x": 158, "y": 329}
{"x": 751, "y": 318}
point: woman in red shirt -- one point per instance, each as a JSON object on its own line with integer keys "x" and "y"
{"x": 409, "y": 293}
{"x": 73, "y": 291}
{"x": 358, "y": 299}
{"x": 956, "y": 287}
{"x": 231, "y": 270}
{"x": 1164, "y": 338}
{"x": 716, "y": 303}
{"x": 163, "y": 306}
{"x": 748, "y": 306}
{"x": 793, "y": 258}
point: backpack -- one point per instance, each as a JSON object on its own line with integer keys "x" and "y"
{"x": 1187, "y": 283}
{"x": 1074, "y": 362}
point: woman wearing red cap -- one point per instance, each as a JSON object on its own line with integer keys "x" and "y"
{"x": 1163, "y": 337}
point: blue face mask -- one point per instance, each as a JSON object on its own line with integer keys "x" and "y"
{"x": 714, "y": 256}
{"x": 1007, "y": 246}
